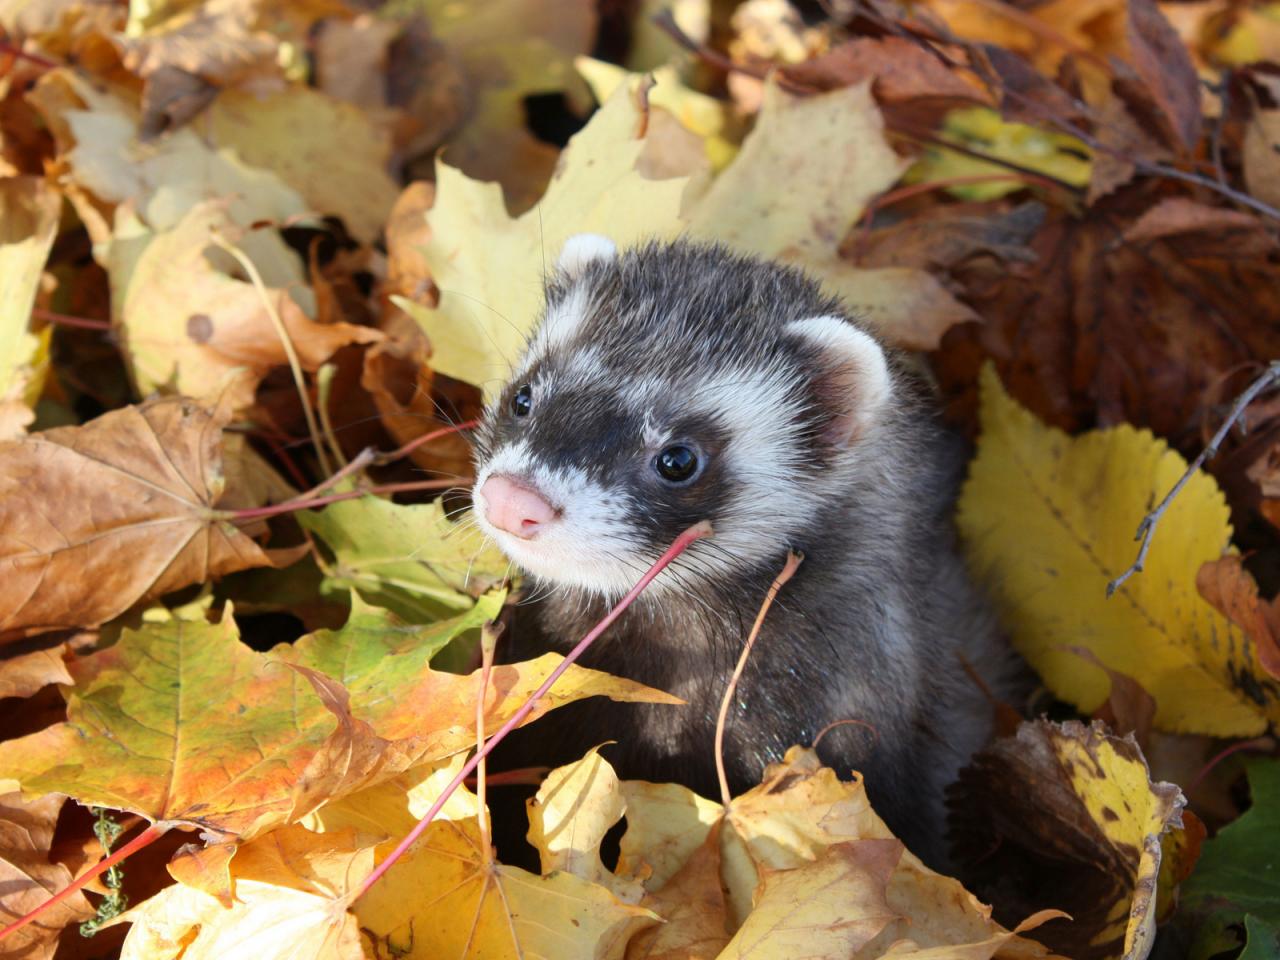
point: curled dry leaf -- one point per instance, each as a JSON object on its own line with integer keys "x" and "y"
{"x": 192, "y": 325}
{"x": 832, "y": 907}
{"x": 291, "y": 889}
{"x": 28, "y": 877}
{"x": 145, "y": 483}
{"x": 23, "y": 675}
{"x": 1078, "y": 500}
{"x": 1077, "y": 801}
{"x": 1231, "y": 589}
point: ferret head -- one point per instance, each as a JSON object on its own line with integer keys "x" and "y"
{"x": 666, "y": 385}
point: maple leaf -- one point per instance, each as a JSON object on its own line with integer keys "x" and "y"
{"x": 486, "y": 909}
{"x": 410, "y": 559}
{"x": 833, "y": 906}
{"x": 142, "y": 482}
{"x": 109, "y": 164}
{"x": 29, "y": 215}
{"x": 489, "y": 267}
{"x": 1077, "y": 500}
{"x": 1083, "y": 800}
{"x": 28, "y": 877}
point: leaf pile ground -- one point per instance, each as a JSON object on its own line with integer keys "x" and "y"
{"x": 262, "y": 262}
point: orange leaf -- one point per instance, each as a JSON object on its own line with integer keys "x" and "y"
{"x": 1233, "y": 592}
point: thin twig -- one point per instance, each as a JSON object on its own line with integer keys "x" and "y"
{"x": 415, "y": 443}
{"x": 295, "y": 365}
{"x": 788, "y": 570}
{"x": 1147, "y": 528}
{"x": 682, "y": 542}
{"x": 489, "y": 634}
{"x": 290, "y": 506}
{"x": 66, "y": 320}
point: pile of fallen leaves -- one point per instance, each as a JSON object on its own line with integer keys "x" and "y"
{"x": 261, "y": 262}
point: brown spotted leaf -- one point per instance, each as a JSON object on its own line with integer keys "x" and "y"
{"x": 95, "y": 518}
{"x": 1233, "y": 592}
{"x": 1079, "y": 802}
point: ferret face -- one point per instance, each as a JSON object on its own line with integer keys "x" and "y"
{"x": 665, "y": 386}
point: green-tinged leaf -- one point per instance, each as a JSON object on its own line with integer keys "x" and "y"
{"x": 1048, "y": 520}
{"x": 371, "y": 635}
{"x": 410, "y": 559}
{"x": 1263, "y": 940}
{"x": 178, "y": 722}
{"x": 1238, "y": 875}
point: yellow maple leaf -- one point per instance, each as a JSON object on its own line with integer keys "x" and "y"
{"x": 1048, "y": 520}
{"x": 28, "y": 222}
{"x": 291, "y": 891}
{"x": 480, "y": 908}
{"x": 489, "y": 267}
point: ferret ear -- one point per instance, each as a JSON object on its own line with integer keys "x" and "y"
{"x": 581, "y": 249}
{"x": 853, "y": 376}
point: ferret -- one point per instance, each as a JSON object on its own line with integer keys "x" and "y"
{"x": 678, "y": 382}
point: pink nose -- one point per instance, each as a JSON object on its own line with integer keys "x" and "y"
{"x": 515, "y": 508}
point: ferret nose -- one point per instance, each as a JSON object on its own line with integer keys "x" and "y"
{"x": 515, "y": 508}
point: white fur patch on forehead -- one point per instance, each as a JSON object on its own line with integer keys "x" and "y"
{"x": 593, "y": 546}
{"x": 581, "y": 249}
{"x": 562, "y": 322}
{"x": 855, "y": 379}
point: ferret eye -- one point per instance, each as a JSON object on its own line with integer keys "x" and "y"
{"x": 522, "y": 402}
{"x": 676, "y": 464}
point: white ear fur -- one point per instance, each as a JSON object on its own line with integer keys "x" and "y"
{"x": 857, "y": 378}
{"x": 582, "y": 248}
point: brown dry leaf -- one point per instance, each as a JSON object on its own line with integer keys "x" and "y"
{"x": 1164, "y": 67}
{"x": 399, "y": 379}
{"x": 351, "y": 59}
{"x": 666, "y": 825}
{"x": 1243, "y": 233}
{"x": 901, "y": 72}
{"x": 1079, "y": 802}
{"x": 28, "y": 878}
{"x": 1261, "y": 158}
{"x": 192, "y": 325}
{"x": 291, "y": 892}
{"x": 1098, "y": 330}
{"x": 1129, "y": 709}
{"x": 23, "y": 675}
{"x": 142, "y": 483}
{"x": 508, "y": 50}
{"x": 1233, "y": 592}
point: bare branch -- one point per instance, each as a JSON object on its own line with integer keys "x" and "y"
{"x": 1147, "y": 528}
